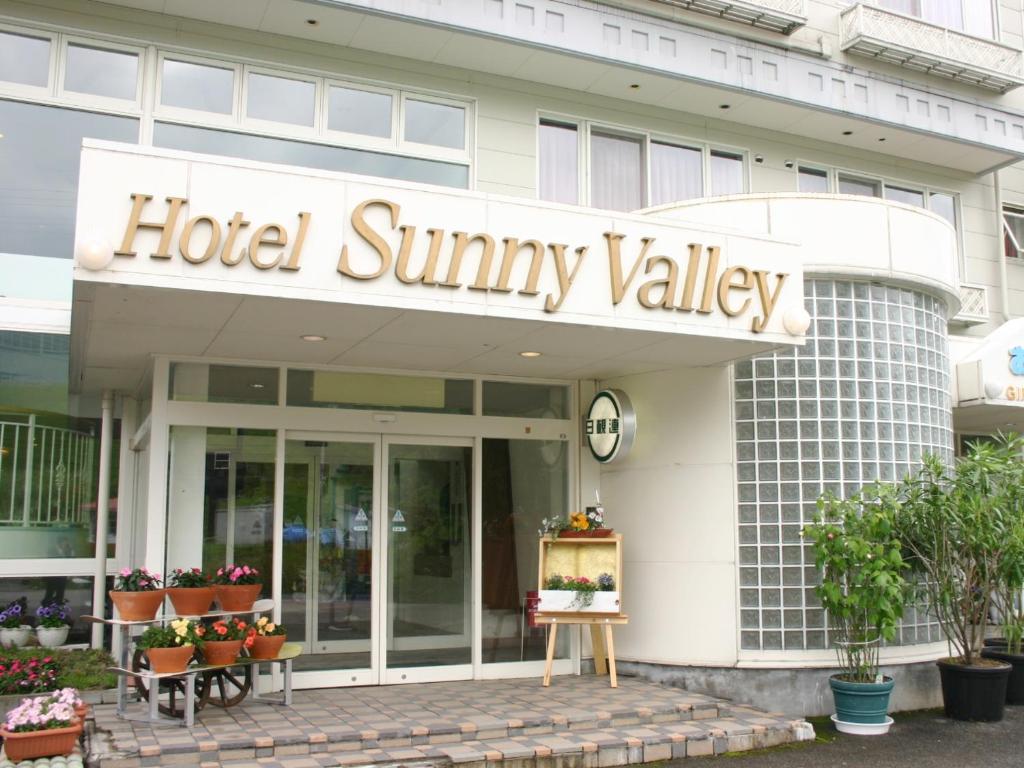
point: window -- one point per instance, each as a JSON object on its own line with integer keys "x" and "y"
{"x": 944, "y": 205}
{"x": 726, "y": 173}
{"x": 975, "y": 17}
{"x": 616, "y": 172}
{"x": 101, "y": 72}
{"x": 677, "y": 173}
{"x": 39, "y": 156}
{"x": 559, "y": 163}
{"x": 280, "y": 99}
{"x": 812, "y": 180}
{"x": 352, "y": 110}
{"x": 202, "y": 87}
{"x": 851, "y": 185}
{"x": 307, "y": 154}
{"x": 907, "y": 196}
{"x": 1013, "y": 230}
{"x": 629, "y": 170}
{"x": 24, "y": 59}
{"x": 441, "y": 125}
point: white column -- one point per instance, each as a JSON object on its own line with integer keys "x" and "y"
{"x": 99, "y": 587}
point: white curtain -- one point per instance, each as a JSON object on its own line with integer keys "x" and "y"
{"x": 616, "y": 172}
{"x": 559, "y": 163}
{"x": 978, "y": 18}
{"x": 726, "y": 174}
{"x": 676, "y": 173}
{"x": 909, "y": 7}
{"x": 947, "y": 13}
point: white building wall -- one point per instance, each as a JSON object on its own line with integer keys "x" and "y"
{"x": 673, "y": 499}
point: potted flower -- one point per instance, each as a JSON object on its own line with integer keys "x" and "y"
{"x": 579, "y": 594}
{"x": 137, "y": 594}
{"x": 190, "y": 592}
{"x": 267, "y": 639}
{"x": 863, "y": 591}
{"x": 70, "y": 697}
{"x": 14, "y": 632}
{"x": 237, "y": 587}
{"x": 224, "y": 640}
{"x": 170, "y": 648}
{"x": 579, "y": 524}
{"x": 52, "y": 623}
{"x": 953, "y": 524}
{"x": 43, "y": 726}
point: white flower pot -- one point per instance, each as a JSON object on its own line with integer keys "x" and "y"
{"x": 52, "y": 637}
{"x": 565, "y": 601}
{"x": 15, "y": 638}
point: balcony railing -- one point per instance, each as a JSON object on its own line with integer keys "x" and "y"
{"x": 919, "y": 45}
{"x": 46, "y": 474}
{"x": 783, "y": 16}
{"x": 973, "y": 305}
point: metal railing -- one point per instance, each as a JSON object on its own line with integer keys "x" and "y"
{"x": 46, "y": 474}
{"x": 785, "y": 16}
{"x": 927, "y": 47}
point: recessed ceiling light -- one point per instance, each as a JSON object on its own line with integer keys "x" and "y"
{"x": 313, "y": 337}
{"x": 313, "y": 22}
{"x": 1, "y": 135}
{"x": 882, "y": 139}
{"x": 529, "y": 354}
{"x": 724, "y": 106}
{"x": 847, "y": 133}
{"x": 257, "y": 385}
{"x": 634, "y": 85}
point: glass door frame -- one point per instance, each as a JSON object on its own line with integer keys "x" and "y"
{"x": 330, "y": 678}
{"x": 393, "y": 675}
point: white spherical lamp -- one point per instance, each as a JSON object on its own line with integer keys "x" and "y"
{"x": 94, "y": 254}
{"x": 796, "y": 321}
{"x": 993, "y": 390}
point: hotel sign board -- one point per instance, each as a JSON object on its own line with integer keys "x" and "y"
{"x": 213, "y": 224}
{"x": 994, "y": 371}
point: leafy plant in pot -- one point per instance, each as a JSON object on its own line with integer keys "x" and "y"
{"x": 237, "y": 587}
{"x": 1007, "y": 599}
{"x": 190, "y": 592}
{"x": 223, "y": 641}
{"x": 864, "y": 591}
{"x": 14, "y": 632}
{"x": 953, "y": 524}
{"x": 170, "y": 648}
{"x": 267, "y": 638}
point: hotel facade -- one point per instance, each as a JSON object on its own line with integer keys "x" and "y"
{"x": 328, "y": 288}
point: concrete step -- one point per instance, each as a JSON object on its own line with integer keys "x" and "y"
{"x": 604, "y": 748}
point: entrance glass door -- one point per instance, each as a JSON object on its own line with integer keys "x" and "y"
{"x": 428, "y": 615}
{"x": 328, "y": 554}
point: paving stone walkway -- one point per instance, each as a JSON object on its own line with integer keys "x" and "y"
{"x": 578, "y": 721}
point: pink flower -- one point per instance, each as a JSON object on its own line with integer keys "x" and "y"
{"x": 126, "y": 572}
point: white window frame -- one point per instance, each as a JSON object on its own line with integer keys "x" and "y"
{"x": 92, "y": 99}
{"x": 437, "y": 152}
{"x": 274, "y": 127}
{"x": 361, "y": 139}
{"x": 584, "y": 128}
{"x": 1017, "y": 212}
{"x": 34, "y": 91}
{"x": 169, "y": 113}
{"x": 996, "y": 26}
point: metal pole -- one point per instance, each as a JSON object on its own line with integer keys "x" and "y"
{"x": 30, "y": 450}
{"x": 1004, "y": 286}
{"x": 99, "y": 586}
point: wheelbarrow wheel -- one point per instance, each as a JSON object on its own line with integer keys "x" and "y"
{"x": 226, "y": 687}
{"x": 174, "y": 703}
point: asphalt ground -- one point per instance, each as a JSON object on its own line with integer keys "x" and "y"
{"x": 922, "y": 739}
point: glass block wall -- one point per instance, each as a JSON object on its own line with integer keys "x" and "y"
{"x": 863, "y": 400}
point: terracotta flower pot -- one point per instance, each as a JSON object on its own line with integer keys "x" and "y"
{"x": 137, "y": 606}
{"x": 237, "y": 597}
{"x": 590, "y": 533}
{"x": 29, "y": 745}
{"x": 221, "y": 653}
{"x": 191, "y": 601}
{"x": 266, "y": 647}
{"x": 163, "y": 660}
{"x": 82, "y": 712}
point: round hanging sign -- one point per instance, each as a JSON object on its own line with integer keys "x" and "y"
{"x": 610, "y": 425}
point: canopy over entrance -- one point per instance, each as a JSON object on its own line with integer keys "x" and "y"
{"x": 990, "y": 383}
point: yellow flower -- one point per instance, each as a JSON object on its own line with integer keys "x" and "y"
{"x": 271, "y": 627}
{"x": 262, "y": 621}
{"x": 579, "y": 521}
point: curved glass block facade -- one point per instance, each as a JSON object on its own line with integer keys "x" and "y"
{"x": 863, "y": 400}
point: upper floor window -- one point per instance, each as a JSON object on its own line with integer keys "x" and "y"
{"x": 1013, "y": 230}
{"x": 624, "y": 170}
{"x": 25, "y": 59}
{"x": 975, "y": 17}
{"x": 823, "y": 180}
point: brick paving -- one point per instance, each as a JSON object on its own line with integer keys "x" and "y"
{"x": 578, "y": 721}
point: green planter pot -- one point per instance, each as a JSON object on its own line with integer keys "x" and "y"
{"x": 861, "y": 708}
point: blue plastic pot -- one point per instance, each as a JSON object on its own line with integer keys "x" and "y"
{"x": 861, "y": 702}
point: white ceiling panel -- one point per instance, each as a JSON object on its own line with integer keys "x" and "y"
{"x": 237, "y": 13}
{"x": 401, "y": 38}
{"x": 288, "y": 348}
{"x": 288, "y": 17}
{"x": 370, "y": 354}
{"x": 260, "y": 313}
{"x": 466, "y": 332}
